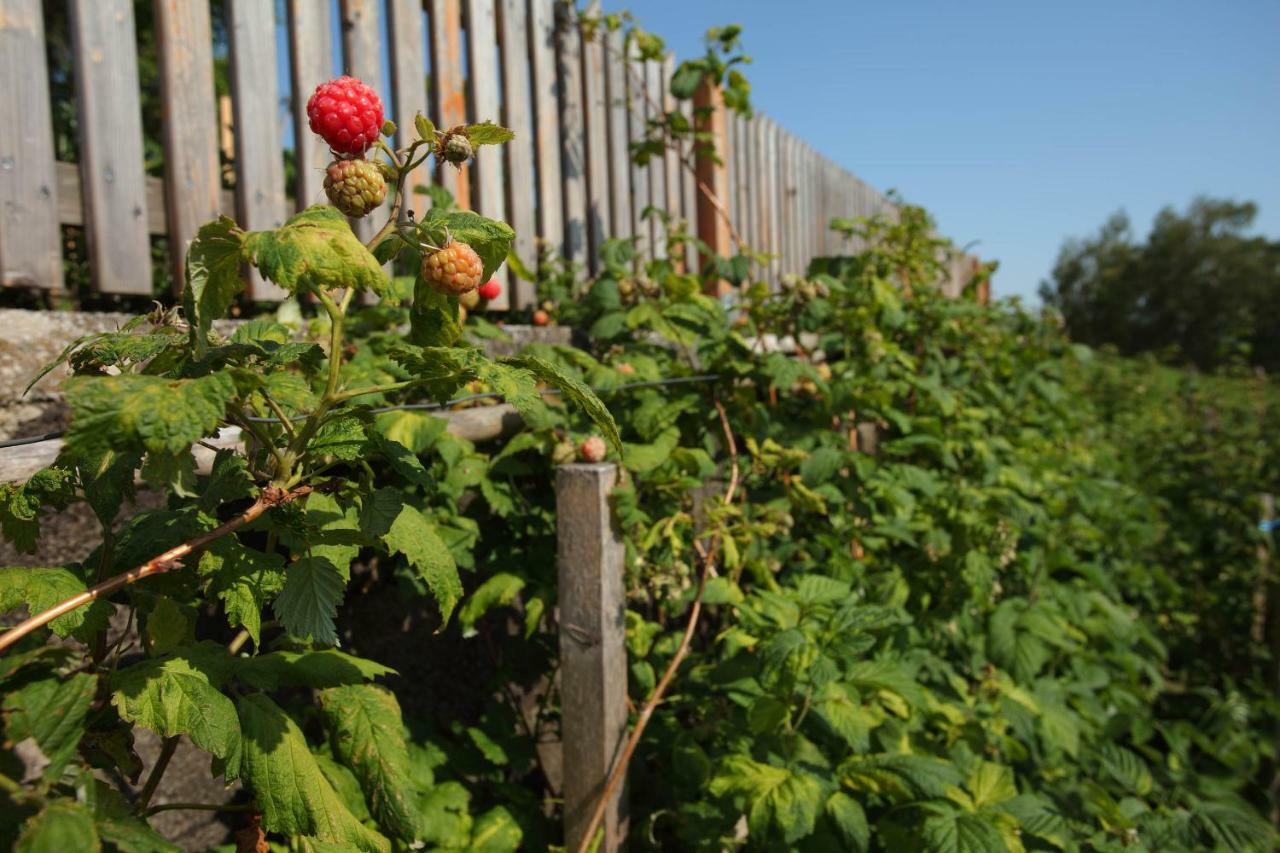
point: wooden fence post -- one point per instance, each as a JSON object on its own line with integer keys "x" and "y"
{"x": 713, "y": 229}
{"x": 593, "y": 658}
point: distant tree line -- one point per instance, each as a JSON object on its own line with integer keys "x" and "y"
{"x": 1201, "y": 288}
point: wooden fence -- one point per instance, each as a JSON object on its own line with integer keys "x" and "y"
{"x": 575, "y": 103}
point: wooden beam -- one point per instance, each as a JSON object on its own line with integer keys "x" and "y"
{"x": 517, "y": 114}
{"x": 593, "y": 657}
{"x": 109, "y": 111}
{"x": 260, "y": 197}
{"x": 30, "y": 239}
{"x": 546, "y": 118}
{"x": 311, "y": 60}
{"x": 192, "y": 174}
{"x": 445, "y": 17}
{"x": 712, "y": 227}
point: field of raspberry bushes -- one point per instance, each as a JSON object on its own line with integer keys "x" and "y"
{"x": 1038, "y": 614}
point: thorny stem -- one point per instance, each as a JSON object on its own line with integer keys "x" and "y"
{"x": 171, "y": 559}
{"x": 708, "y": 555}
{"x": 162, "y": 763}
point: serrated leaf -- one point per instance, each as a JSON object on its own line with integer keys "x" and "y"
{"x": 850, "y": 821}
{"x": 307, "y": 604}
{"x": 991, "y": 784}
{"x": 414, "y": 535}
{"x": 244, "y": 579}
{"x": 51, "y": 712}
{"x": 21, "y": 504}
{"x": 490, "y": 238}
{"x": 42, "y": 588}
{"x": 178, "y": 695}
{"x": 899, "y": 776}
{"x": 213, "y": 276}
{"x": 576, "y": 392}
{"x": 292, "y": 793}
{"x": 59, "y": 827}
{"x": 367, "y": 733}
{"x": 426, "y": 130}
{"x": 151, "y": 412}
{"x": 497, "y": 591}
{"x": 315, "y": 668}
{"x": 495, "y": 831}
{"x": 433, "y": 317}
{"x": 488, "y": 133}
{"x": 315, "y": 251}
{"x": 779, "y": 801}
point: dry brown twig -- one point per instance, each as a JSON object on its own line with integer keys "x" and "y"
{"x": 161, "y": 563}
{"x": 708, "y": 555}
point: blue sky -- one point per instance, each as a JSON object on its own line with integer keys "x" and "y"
{"x": 1019, "y": 124}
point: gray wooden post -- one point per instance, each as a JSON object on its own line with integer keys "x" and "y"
{"x": 593, "y": 658}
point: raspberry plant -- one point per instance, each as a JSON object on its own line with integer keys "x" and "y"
{"x": 266, "y": 538}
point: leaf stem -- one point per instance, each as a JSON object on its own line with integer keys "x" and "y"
{"x": 162, "y": 763}
{"x": 200, "y": 807}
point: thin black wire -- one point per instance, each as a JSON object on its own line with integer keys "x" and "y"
{"x": 656, "y": 383}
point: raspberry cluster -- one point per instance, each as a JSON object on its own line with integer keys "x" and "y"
{"x": 347, "y": 114}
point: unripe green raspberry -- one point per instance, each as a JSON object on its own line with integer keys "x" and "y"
{"x": 354, "y": 186}
{"x": 456, "y": 148}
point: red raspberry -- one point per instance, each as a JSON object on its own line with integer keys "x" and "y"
{"x": 541, "y": 318}
{"x": 347, "y": 114}
{"x": 593, "y": 449}
{"x": 490, "y": 289}
{"x": 453, "y": 270}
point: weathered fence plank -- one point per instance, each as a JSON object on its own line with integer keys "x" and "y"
{"x": 657, "y": 165}
{"x": 30, "y": 240}
{"x": 671, "y": 157}
{"x": 594, "y": 97}
{"x": 546, "y": 118}
{"x": 482, "y": 55}
{"x": 689, "y": 192}
{"x": 517, "y": 114}
{"x": 593, "y": 658}
{"x": 636, "y": 117}
{"x": 311, "y": 63}
{"x": 111, "y": 156}
{"x": 259, "y": 161}
{"x": 445, "y": 17}
{"x": 573, "y": 162}
{"x": 193, "y": 181}
{"x": 619, "y": 137}
{"x": 408, "y": 87}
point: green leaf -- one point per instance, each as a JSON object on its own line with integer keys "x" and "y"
{"x": 850, "y": 820}
{"x": 315, "y": 668}
{"x": 315, "y": 251}
{"x": 169, "y": 625}
{"x": 411, "y": 533}
{"x": 779, "y": 801}
{"x": 433, "y": 317}
{"x": 490, "y": 238}
{"x": 51, "y": 713}
{"x": 151, "y": 412}
{"x": 62, "y": 826}
{"x": 244, "y": 580}
{"x": 445, "y": 817}
{"x": 42, "y": 588}
{"x": 308, "y": 603}
{"x": 21, "y": 503}
{"x": 426, "y": 130}
{"x": 294, "y": 796}
{"x": 820, "y": 465}
{"x": 495, "y": 831}
{"x": 643, "y": 458}
{"x": 686, "y": 79}
{"x": 213, "y": 276}
{"x": 991, "y": 784}
{"x": 576, "y": 392}
{"x": 899, "y": 776}
{"x": 178, "y": 695}
{"x": 488, "y": 133}
{"x": 961, "y": 832}
{"x": 367, "y": 734}
{"x": 498, "y": 591}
